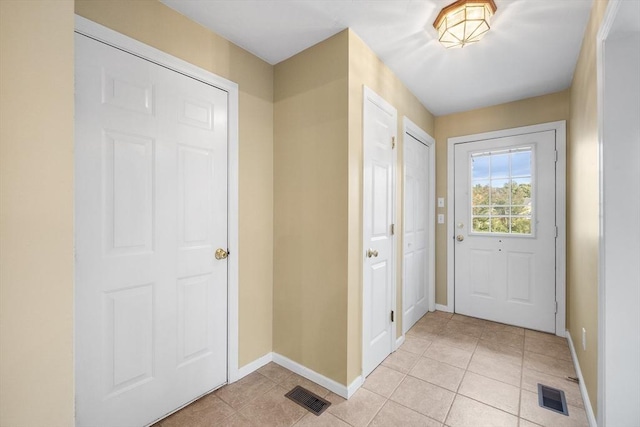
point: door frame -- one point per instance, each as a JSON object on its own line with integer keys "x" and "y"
{"x": 370, "y": 96}
{"x": 412, "y": 129}
{"x": 617, "y": 324}
{"x": 561, "y": 184}
{"x": 110, "y": 37}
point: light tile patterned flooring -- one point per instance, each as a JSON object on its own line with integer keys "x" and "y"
{"x": 452, "y": 370}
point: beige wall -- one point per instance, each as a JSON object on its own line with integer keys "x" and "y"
{"x": 37, "y": 178}
{"x": 583, "y": 206}
{"x": 318, "y": 200}
{"x": 150, "y": 22}
{"x": 541, "y": 109}
{"x": 317, "y": 125}
{"x": 36, "y": 222}
{"x": 366, "y": 69}
{"x": 310, "y": 176}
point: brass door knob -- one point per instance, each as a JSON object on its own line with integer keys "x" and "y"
{"x": 459, "y": 237}
{"x": 372, "y": 253}
{"x": 221, "y": 253}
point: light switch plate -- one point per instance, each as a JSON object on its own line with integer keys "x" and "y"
{"x": 440, "y": 218}
{"x": 441, "y": 202}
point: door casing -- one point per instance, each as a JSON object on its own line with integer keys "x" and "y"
{"x": 618, "y": 62}
{"x": 127, "y": 44}
{"x": 561, "y": 146}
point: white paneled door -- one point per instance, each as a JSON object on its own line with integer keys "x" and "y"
{"x": 151, "y": 210}
{"x": 379, "y": 133}
{"x": 416, "y": 274}
{"x": 505, "y": 230}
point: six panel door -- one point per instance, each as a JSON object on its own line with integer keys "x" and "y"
{"x": 151, "y": 209}
{"x": 378, "y": 198}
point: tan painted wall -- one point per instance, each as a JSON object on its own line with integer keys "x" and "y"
{"x": 319, "y": 239}
{"x": 37, "y": 161}
{"x": 541, "y": 109}
{"x": 318, "y": 200}
{"x": 310, "y": 178}
{"x": 150, "y": 22}
{"x": 36, "y": 219}
{"x": 366, "y": 69}
{"x": 37, "y": 177}
{"x": 583, "y": 206}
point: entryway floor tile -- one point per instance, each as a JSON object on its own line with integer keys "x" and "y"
{"x": 451, "y": 371}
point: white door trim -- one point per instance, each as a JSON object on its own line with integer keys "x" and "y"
{"x": 561, "y": 244}
{"x": 127, "y": 44}
{"x": 617, "y": 278}
{"x": 415, "y": 131}
{"x": 370, "y": 95}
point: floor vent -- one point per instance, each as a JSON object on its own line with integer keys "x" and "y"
{"x": 552, "y": 399}
{"x": 310, "y": 401}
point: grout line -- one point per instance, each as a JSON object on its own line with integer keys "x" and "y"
{"x": 379, "y": 409}
{"x": 413, "y": 410}
{"x": 524, "y": 344}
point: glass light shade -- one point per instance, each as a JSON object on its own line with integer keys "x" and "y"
{"x": 464, "y": 22}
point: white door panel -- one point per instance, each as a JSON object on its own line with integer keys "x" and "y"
{"x": 378, "y": 278}
{"x": 415, "y": 283}
{"x": 151, "y": 209}
{"x": 505, "y": 230}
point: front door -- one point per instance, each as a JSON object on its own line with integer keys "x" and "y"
{"x": 505, "y": 230}
{"x": 151, "y": 210}
{"x": 379, "y": 133}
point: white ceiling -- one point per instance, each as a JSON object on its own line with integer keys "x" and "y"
{"x": 531, "y": 50}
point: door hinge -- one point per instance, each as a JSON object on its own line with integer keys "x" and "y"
{"x": 556, "y": 156}
{"x": 556, "y": 307}
{"x": 391, "y": 315}
{"x": 556, "y": 231}
{"x": 393, "y": 229}
{"x": 393, "y": 142}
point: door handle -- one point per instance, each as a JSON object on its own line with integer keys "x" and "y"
{"x": 221, "y": 253}
{"x": 459, "y": 237}
{"x": 372, "y": 253}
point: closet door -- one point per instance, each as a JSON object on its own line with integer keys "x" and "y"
{"x": 151, "y": 210}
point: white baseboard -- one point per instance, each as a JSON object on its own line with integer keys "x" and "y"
{"x": 254, "y": 366}
{"x": 331, "y": 385}
{"x": 446, "y": 308}
{"x": 311, "y": 375}
{"x": 399, "y": 342}
{"x": 354, "y": 386}
{"x": 583, "y": 389}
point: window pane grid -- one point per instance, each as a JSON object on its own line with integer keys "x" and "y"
{"x": 501, "y": 196}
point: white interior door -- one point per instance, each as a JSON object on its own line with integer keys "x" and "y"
{"x": 415, "y": 283}
{"x": 379, "y": 133}
{"x": 505, "y": 230}
{"x": 151, "y": 209}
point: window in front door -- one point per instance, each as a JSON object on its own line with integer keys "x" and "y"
{"x": 502, "y": 193}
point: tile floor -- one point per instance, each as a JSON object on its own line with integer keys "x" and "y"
{"x": 452, "y": 370}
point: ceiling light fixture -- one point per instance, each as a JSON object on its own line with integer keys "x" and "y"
{"x": 464, "y": 22}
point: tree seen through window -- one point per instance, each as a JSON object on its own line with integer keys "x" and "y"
{"x": 501, "y": 196}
